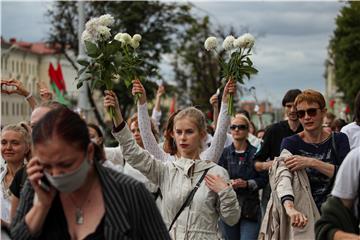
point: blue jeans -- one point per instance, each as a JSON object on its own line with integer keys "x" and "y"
{"x": 243, "y": 230}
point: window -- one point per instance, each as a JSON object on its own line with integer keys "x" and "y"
{"x": 2, "y": 109}
{"x": 13, "y": 108}
{"x": 17, "y": 66}
{"x": 22, "y": 109}
{"x": 29, "y": 69}
{"x": 12, "y": 66}
{"x": 17, "y": 109}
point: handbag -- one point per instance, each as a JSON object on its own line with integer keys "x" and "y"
{"x": 189, "y": 198}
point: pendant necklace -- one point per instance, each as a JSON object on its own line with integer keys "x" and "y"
{"x": 79, "y": 214}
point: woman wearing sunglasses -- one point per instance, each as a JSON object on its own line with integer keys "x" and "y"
{"x": 315, "y": 149}
{"x": 237, "y": 159}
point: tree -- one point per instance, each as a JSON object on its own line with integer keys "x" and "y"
{"x": 345, "y": 46}
{"x": 157, "y": 22}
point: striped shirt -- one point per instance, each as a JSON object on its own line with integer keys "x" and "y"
{"x": 130, "y": 211}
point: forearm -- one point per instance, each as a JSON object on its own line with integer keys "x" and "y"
{"x": 32, "y": 102}
{"x": 35, "y": 218}
{"x": 215, "y": 116}
{"x": 341, "y": 235}
{"x": 157, "y": 103}
{"x": 327, "y": 169}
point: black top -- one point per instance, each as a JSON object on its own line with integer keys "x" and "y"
{"x": 273, "y": 136}
{"x": 320, "y": 184}
{"x": 18, "y": 182}
{"x": 130, "y": 212}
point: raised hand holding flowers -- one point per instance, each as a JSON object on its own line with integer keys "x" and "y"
{"x": 109, "y": 60}
{"x": 238, "y": 64}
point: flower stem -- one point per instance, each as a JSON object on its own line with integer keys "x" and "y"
{"x": 231, "y": 111}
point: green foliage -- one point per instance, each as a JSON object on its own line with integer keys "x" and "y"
{"x": 345, "y": 47}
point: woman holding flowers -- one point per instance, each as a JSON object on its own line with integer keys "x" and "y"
{"x": 177, "y": 178}
{"x": 215, "y": 150}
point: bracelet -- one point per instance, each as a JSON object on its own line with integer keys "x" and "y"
{"x": 28, "y": 96}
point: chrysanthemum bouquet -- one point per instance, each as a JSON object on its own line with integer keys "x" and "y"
{"x": 238, "y": 64}
{"x": 109, "y": 60}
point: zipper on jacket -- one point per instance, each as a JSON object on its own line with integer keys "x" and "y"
{"x": 188, "y": 214}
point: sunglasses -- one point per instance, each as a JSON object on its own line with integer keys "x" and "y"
{"x": 310, "y": 112}
{"x": 239, "y": 127}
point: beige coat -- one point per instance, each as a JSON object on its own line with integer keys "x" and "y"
{"x": 276, "y": 224}
{"x": 199, "y": 220}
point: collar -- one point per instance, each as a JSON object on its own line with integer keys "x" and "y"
{"x": 233, "y": 150}
{"x": 185, "y": 164}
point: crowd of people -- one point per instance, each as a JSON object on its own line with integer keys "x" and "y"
{"x": 295, "y": 179}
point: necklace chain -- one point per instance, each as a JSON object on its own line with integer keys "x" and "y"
{"x": 79, "y": 213}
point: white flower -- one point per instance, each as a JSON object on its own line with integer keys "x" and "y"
{"x": 92, "y": 24}
{"x": 210, "y": 43}
{"x": 103, "y": 33}
{"x": 134, "y": 44}
{"x": 118, "y": 37}
{"x": 228, "y": 43}
{"x": 240, "y": 42}
{"x": 86, "y": 36}
{"x": 116, "y": 78}
{"x": 249, "y": 40}
{"x": 137, "y": 37}
{"x": 106, "y": 20}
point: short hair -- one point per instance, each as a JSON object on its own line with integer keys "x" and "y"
{"x": 245, "y": 113}
{"x": 330, "y": 115}
{"x": 290, "y": 96}
{"x": 310, "y": 96}
{"x": 24, "y": 133}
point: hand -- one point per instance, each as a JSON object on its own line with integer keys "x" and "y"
{"x": 239, "y": 183}
{"x": 110, "y": 100}
{"x": 214, "y": 101}
{"x": 160, "y": 91}
{"x": 35, "y": 172}
{"x": 230, "y": 89}
{"x": 138, "y": 88}
{"x": 297, "y": 219}
{"x": 296, "y": 162}
{"x": 263, "y": 166}
{"x": 18, "y": 87}
{"x": 215, "y": 183}
{"x": 45, "y": 94}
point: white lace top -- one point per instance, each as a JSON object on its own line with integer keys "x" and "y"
{"x": 212, "y": 153}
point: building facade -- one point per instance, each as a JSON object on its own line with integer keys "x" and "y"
{"x": 29, "y": 63}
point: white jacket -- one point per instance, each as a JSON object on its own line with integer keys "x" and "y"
{"x": 199, "y": 220}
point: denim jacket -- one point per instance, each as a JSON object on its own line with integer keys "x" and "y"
{"x": 243, "y": 167}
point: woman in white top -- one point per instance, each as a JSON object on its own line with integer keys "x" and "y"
{"x": 214, "y": 199}
{"x": 212, "y": 153}
{"x": 15, "y": 149}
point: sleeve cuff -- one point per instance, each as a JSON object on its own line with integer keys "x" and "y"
{"x": 252, "y": 185}
{"x": 286, "y": 197}
{"x": 119, "y": 128}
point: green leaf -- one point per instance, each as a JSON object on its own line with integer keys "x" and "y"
{"x": 91, "y": 49}
{"x": 79, "y": 84}
{"x": 249, "y": 62}
{"x": 83, "y": 62}
{"x": 112, "y": 48}
{"x": 81, "y": 71}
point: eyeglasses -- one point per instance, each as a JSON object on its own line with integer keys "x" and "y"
{"x": 239, "y": 127}
{"x": 310, "y": 112}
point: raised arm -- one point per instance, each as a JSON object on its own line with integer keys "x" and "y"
{"x": 156, "y": 112}
{"x": 216, "y": 148}
{"x": 18, "y": 88}
{"x": 147, "y": 136}
{"x": 137, "y": 157}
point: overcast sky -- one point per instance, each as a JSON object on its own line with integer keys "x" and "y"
{"x": 289, "y": 52}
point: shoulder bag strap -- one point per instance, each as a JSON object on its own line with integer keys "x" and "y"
{"x": 189, "y": 198}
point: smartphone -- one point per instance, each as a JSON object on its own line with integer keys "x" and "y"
{"x": 44, "y": 183}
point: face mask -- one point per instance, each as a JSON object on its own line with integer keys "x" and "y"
{"x": 70, "y": 182}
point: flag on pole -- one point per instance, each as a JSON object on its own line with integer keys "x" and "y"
{"x": 57, "y": 83}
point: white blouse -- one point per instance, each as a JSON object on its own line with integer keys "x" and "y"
{"x": 212, "y": 153}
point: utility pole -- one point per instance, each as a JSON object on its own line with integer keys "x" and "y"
{"x": 83, "y": 99}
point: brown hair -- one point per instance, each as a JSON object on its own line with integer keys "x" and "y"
{"x": 310, "y": 96}
{"x": 66, "y": 125}
{"x": 169, "y": 142}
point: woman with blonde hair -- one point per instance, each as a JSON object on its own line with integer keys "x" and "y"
{"x": 190, "y": 208}
{"x": 15, "y": 150}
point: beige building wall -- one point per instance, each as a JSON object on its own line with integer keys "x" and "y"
{"x": 29, "y": 68}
